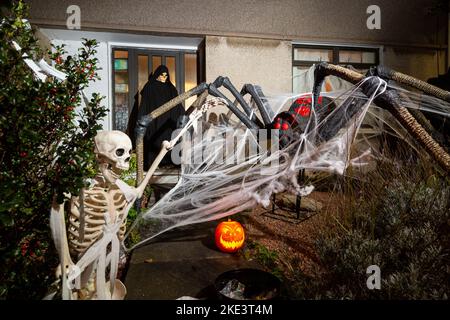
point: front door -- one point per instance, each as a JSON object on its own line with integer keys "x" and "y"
{"x": 131, "y": 71}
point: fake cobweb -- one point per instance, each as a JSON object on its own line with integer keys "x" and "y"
{"x": 227, "y": 168}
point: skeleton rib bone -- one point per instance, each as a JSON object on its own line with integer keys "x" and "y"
{"x": 96, "y": 204}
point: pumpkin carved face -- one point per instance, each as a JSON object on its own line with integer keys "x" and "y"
{"x": 229, "y": 236}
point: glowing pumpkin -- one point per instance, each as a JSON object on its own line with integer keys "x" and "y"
{"x": 229, "y": 236}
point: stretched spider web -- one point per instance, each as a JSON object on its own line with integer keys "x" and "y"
{"x": 227, "y": 168}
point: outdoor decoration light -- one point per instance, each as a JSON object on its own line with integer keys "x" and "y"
{"x": 229, "y": 236}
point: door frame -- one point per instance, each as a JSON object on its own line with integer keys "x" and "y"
{"x": 133, "y": 81}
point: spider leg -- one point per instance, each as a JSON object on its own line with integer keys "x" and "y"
{"x": 389, "y": 100}
{"x": 261, "y": 102}
{"x": 212, "y": 89}
{"x": 225, "y": 82}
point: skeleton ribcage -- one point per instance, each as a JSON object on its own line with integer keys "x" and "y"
{"x": 87, "y": 217}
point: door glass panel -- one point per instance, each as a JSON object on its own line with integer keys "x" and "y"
{"x": 170, "y": 64}
{"x": 121, "y": 54}
{"x": 190, "y": 75}
{"x": 156, "y": 62}
{"x": 121, "y": 83}
{"x": 142, "y": 70}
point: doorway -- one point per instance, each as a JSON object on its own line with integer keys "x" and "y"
{"x": 131, "y": 69}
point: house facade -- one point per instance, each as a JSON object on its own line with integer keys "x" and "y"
{"x": 264, "y": 42}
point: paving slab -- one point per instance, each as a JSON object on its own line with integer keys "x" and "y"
{"x": 181, "y": 262}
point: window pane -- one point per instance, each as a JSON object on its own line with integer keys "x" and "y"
{"x": 121, "y": 83}
{"x": 300, "y": 83}
{"x": 369, "y": 57}
{"x": 349, "y": 56}
{"x": 156, "y": 62}
{"x": 312, "y": 54}
{"x": 170, "y": 64}
{"x": 190, "y": 75}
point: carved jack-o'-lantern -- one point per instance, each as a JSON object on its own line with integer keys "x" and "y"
{"x": 230, "y": 236}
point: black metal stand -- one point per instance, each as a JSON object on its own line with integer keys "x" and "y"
{"x": 301, "y": 176}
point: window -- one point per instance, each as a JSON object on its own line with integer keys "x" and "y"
{"x": 304, "y": 56}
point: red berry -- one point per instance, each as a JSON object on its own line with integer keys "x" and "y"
{"x": 285, "y": 126}
{"x": 58, "y": 60}
{"x": 23, "y": 154}
{"x": 277, "y": 125}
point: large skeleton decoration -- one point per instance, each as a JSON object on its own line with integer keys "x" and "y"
{"x": 97, "y": 218}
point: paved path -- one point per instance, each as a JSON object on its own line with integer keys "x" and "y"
{"x": 181, "y": 262}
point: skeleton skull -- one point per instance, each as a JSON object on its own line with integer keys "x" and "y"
{"x": 113, "y": 153}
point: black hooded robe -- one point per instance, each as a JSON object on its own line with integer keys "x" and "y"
{"x": 155, "y": 94}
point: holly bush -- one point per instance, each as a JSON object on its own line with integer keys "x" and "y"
{"x": 46, "y": 150}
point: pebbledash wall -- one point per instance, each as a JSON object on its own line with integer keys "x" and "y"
{"x": 267, "y": 63}
{"x": 251, "y": 41}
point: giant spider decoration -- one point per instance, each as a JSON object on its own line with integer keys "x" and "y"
{"x": 285, "y": 122}
{"x": 297, "y": 115}
{"x": 300, "y": 110}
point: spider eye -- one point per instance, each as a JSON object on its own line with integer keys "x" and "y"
{"x": 120, "y": 152}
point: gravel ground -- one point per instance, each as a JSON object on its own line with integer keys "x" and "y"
{"x": 291, "y": 238}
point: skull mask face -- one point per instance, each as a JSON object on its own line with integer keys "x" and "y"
{"x": 113, "y": 153}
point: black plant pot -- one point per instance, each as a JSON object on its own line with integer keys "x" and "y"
{"x": 247, "y": 284}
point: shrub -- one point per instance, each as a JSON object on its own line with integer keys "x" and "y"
{"x": 46, "y": 151}
{"x": 400, "y": 222}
